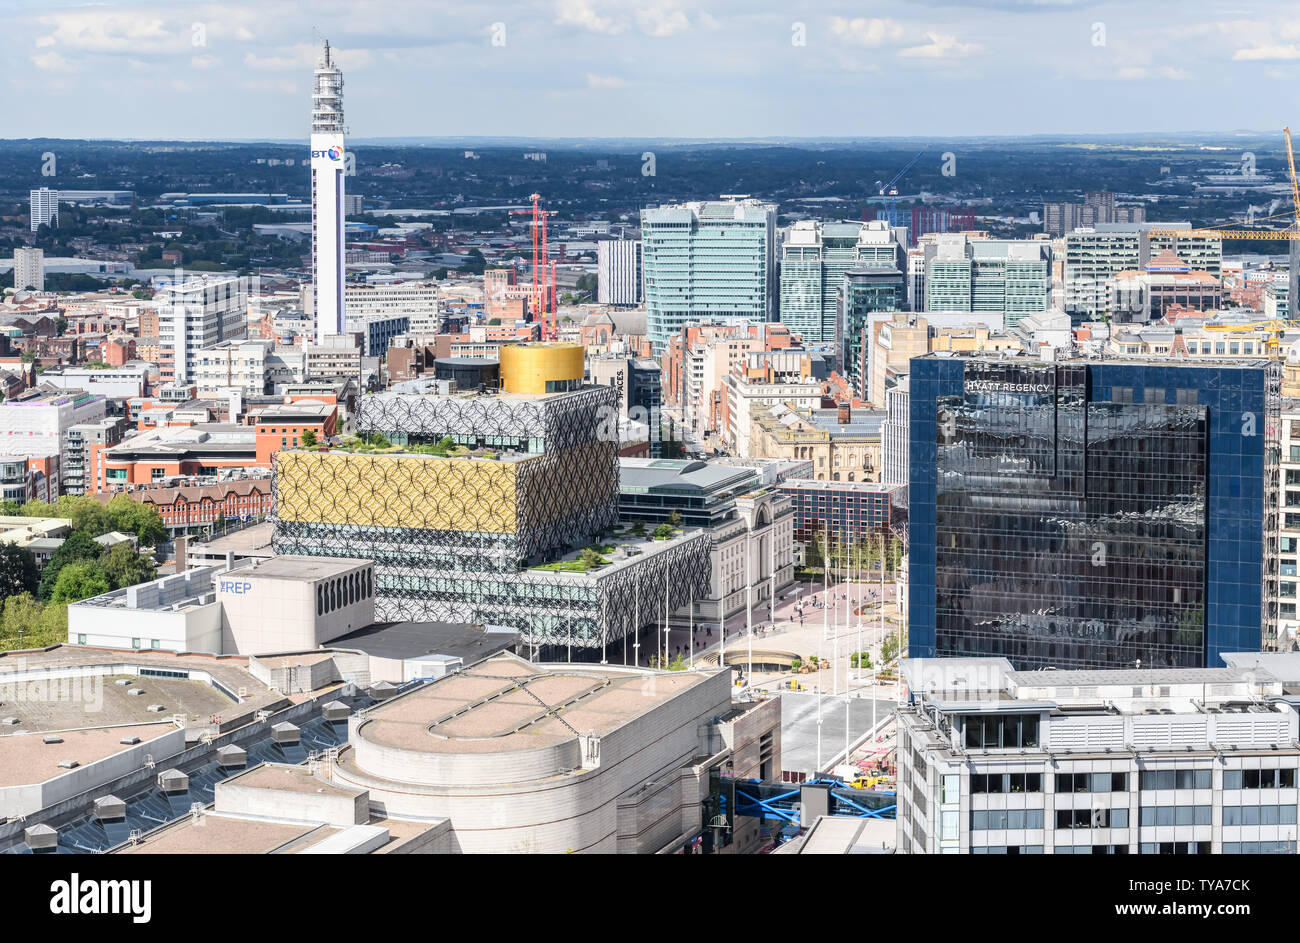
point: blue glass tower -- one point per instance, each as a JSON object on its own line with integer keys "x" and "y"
{"x": 1091, "y": 514}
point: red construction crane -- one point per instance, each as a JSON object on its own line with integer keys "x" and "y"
{"x": 543, "y": 291}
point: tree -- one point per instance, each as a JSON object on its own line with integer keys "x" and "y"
{"x": 87, "y": 514}
{"x": 78, "y": 581}
{"x": 124, "y": 567}
{"x": 18, "y": 571}
{"x": 675, "y": 519}
{"x": 129, "y": 516}
{"x": 889, "y": 648}
{"x": 76, "y": 549}
{"x": 590, "y": 558}
{"x": 21, "y": 618}
{"x": 663, "y": 531}
{"x": 307, "y": 439}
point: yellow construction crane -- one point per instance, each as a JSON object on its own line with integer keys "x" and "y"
{"x": 1291, "y": 235}
{"x": 1275, "y": 327}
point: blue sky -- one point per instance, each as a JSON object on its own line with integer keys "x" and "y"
{"x": 649, "y": 68}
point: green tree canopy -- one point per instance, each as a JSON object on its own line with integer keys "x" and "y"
{"x": 77, "y": 548}
{"x": 124, "y": 567}
{"x": 129, "y": 516}
{"x": 80, "y": 580}
{"x": 18, "y": 571}
{"x": 21, "y": 619}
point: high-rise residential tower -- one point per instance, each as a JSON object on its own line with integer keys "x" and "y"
{"x": 328, "y": 169}
{"x": 44, "y": 208}
{"x": 618, "y": 272}
{"x": 29, "y": 269}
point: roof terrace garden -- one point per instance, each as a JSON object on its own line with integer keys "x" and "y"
{"x": 374, "y": 443}
{"x": 620, "y": 545}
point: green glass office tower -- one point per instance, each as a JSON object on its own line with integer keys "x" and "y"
{"x": 814, "y": 259}
{"x": 708, "y": 260}
{"x": 999, "y": 276}
{"x": 863, "y": 292}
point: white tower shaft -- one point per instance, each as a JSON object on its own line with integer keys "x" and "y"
{"x": 328, "y": 170}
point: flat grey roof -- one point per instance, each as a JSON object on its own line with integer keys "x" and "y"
{"x": 289, "y": 567}
{"x": 413, "y": 639}
{"x": 1285, "y": 666}
{"x": 678, "y": 475}
{"x": 1131, "y": 676}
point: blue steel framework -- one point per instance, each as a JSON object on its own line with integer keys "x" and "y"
{"x": 1088, "y": 514}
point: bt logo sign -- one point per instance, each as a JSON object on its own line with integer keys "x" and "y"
{"x": 334, "y": 153}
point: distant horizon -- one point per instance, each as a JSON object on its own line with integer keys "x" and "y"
{"x": 1161, "y": 137}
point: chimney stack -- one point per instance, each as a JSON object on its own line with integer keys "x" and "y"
{"x": 845, "y": 415}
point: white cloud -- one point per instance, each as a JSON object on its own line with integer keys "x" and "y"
{"x": 51, "y": 62}
{"x": 866, "y": 32}
{"x": 582, "y": 14}
{"x": 103, "y": 32}
{"x": 205, "y": 61}
{"x": 940, "y": 47}
{"x": 662, "y": 21}
{"x": 604, "y": 81}
{"x": 1268, "y": 53}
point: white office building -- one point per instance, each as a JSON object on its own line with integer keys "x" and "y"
{"x": 286, "y": 603}
{"x": 894, "y": 444}
{"x": 254, "y": 367}
{"x": 1129, "y": 761}
{"x": 618, "y": 272}
{"x": 195, "y": 313}
{"x": 44, "y": 208}
{"x": 328, "y": 171}
{"x": 416, "y": 302}
{"x": 29, "y": 269}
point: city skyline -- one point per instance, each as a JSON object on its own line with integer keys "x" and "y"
{"x": 665, "y": 69}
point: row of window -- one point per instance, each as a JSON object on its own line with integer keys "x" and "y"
{"x": 1259, "y": 779}
{"x": 982, "y": 783}
{"x": 1175, "y": 779}
{"x": 1005, "y": 731}
{"x": 343, "y": 591}
{"x": 1006, "y": 818}
{"x": 1007, "y": 850}
{"x": 1176, "y": 848}
{"x": 1259, "y": 815}
{"x": 1176, "y": 815}
{"x": 1092, "y": 782}
{"x": 1092, "y": 818}
{"x": 1259, "y": 848}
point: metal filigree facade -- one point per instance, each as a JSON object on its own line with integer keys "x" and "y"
{"x": 451, "y": 537}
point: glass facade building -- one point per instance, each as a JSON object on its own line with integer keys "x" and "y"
{"x": 814, "y": 259}
{"x": 1091, "y": 514}
{"x": 708, "y": 260}
{"x": 864, "y": 291}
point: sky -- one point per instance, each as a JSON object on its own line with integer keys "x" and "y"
{"x": 648, "y": 68}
